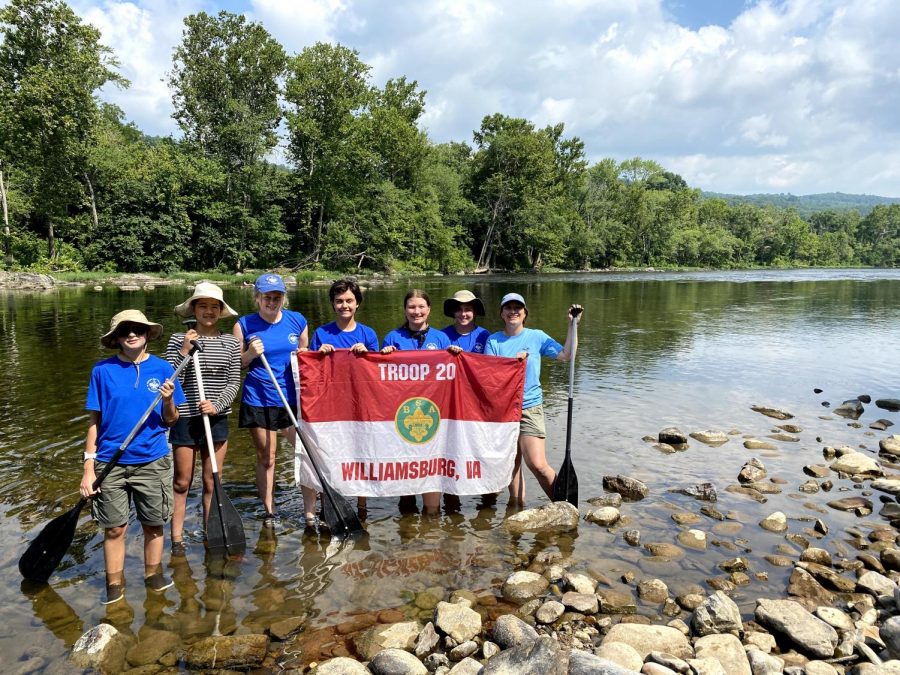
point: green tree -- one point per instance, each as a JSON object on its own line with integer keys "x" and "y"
{"x": 225, "y": 82}
{"x": 326, "y": 90}
{"x": 51, "y": 65}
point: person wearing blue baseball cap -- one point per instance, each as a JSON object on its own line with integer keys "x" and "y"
{"x": 276, "y": 332}
{"x": 530, "y": 344}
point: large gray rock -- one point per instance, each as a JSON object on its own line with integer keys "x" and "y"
{"x": 457, "y": 621}
{"x": 810, "y": 634}
{"x": 603, "y": 516}
{"x": 762, "y": 663}
{"x": 341, "y": 665}
{"x": 621, "y": 654}
{"x": 727, "y": 650}
{"x": 890, "y": 634}
{"x": 538, "y": 657}
{"x": 396, "y": 662}
{"x": 555, "y": 516}
{"x": 401, "y": 635}
{"x": 101, "y": 649}
{"x": 584, "y": 663}
{"x": 631, "y": 489}
{"x": 511, "y": 631}
{"x": 522, "y": 586}
{"x": 856, "y": 463}
{"x": 875, "y": 584}
{"x": 227, "y": 651}
{"x": 645, "y": 639}
{"x": 752, "y": 471}
{"x": 851, "y": 409}
{"x": 717, "y": 614}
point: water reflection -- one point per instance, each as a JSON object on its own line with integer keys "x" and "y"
{"x": 691, "y": 350}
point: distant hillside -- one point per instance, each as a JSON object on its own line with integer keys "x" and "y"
{"x": 806, "y": 205}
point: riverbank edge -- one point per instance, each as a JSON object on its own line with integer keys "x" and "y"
{"x": 35, "y": 281}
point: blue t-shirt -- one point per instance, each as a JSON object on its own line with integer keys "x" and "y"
{"x": 330, "y": 334}
{"x": 537, "y": 343}
{"x": 121, "y": 391}
{"x": 402, "y": 339}
{"x": 280, "y": 341}
{"x": 473, "y": 342}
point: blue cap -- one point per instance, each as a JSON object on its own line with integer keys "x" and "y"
{"x": 266, "y": 283}
{"x": 512, "y": 297}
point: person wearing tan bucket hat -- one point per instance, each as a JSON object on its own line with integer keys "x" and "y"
{"x": 220, "y": 370}
{"x": 464, "y": 334}
{"x": 120, "y": 391}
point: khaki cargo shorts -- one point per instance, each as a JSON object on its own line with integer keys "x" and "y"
{"x": 532, "y": 423}
{"x": 149, "y": 486}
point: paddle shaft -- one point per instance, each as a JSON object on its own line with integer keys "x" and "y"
{"x": 571, "y": 386}
{"x": 325, "y": 489}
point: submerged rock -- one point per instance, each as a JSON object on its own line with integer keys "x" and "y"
{"x": 891, "y": 404}
{"x": 231, "y": 652}
{"x": 703, "y": 492}
{"x": 605, "y": 515}
{"x": 774, "y": 413}
{"x": 555, "y": 515}
{"x": 631, "y": 489}
{"x": 858, "y": 504}
{"x": 710, "y": 437}
{"x": 102, "y": 649}
{"x": 752, "y": 471}
{"x": 757, "y": 444}
{"x": 851, "y": 409}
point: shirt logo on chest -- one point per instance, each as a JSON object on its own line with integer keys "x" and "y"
{"x": 153, "y": 384}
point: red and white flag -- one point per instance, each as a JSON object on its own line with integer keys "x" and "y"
{"x": 409, "y": 422}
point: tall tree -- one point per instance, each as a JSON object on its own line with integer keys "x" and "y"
{"x": 51, "y": 64}
{"x": 326, "y": 90}
{"x": 225, "y": 82}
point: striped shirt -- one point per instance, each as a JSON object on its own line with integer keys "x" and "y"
{"x": 220, "y": 364}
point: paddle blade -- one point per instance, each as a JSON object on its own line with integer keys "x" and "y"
{"x": 44, "y": 554}
{"x": 565, "y": 489}
{"x": 224, "y": 528}
{"x": 340, "y": 517}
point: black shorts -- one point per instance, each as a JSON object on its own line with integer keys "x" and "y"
{"x": 271, "y": 417}
{"x": 190, "y": 431}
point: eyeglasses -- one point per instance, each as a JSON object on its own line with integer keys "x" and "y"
{"x": 127, "y": 329}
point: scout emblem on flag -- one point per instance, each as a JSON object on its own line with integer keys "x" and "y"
{"x": 418, "y": 420}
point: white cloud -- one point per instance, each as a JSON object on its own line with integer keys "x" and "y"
{"x": 798, "y": 95}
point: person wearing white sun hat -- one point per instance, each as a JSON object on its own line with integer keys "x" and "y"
{"x": 220, "y": 368}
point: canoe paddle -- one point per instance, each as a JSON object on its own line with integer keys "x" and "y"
{"x": 44, "y": 554}
{"x": 565, "y": 488}
{"x": 339, "y": 515}
{"x": 224, "y": 529}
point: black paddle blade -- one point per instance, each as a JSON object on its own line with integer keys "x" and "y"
{"x": 565, "y": 489}
{"x": 340, "y": 517}
{"x": 224, "y": 528}
{"x": 44, "y": 554}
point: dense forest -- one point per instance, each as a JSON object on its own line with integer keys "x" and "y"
{"x": 362, "y": 186}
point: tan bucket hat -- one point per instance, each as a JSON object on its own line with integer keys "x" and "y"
{"x": 460, "y": 297}
{"x": 129, "y": 316}
{"x": 205, "y": 289}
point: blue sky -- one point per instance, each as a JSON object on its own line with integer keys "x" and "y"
{"x": 740, "y": 96}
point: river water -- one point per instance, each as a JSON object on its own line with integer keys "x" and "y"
{"x": 692, "y": 350}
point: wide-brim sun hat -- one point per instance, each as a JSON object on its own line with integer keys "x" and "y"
{"x": 463, "y": 297}
{"x": 512, "y": 297}
{"x": 269, "y": 282}
{"x": 129, "y": 316}
{"x": 204, "y": 289}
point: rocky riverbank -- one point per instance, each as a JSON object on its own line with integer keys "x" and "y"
{"x": 839, "y": 612}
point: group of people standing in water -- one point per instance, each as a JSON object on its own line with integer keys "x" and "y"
{"x": 157, "y": 480}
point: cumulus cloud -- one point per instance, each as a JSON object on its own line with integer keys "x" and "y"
{"x": 789, "y": 95}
